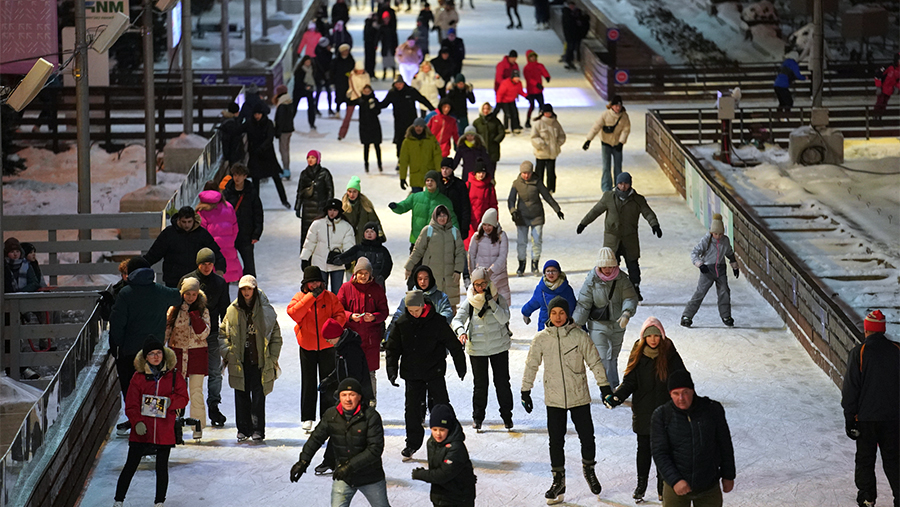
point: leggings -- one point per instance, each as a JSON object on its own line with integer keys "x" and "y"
{"x": 532, "y": 99}
{"x": 135, "y": 451}
{"x": 327, "y": 89}
{"x": 310, "y": 106}
{"x": 510, "y": 11}
{"x": 546, "y": 165}
{"x": 366, "y": 153}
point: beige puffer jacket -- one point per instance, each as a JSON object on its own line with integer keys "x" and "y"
{"x": 440, "y": 247}
{"x": 609, "y": 118}
{"x": 564, "y": 351}
{"x": 547, "y": 138}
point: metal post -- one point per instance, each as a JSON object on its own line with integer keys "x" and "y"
{"x": 247, "y": 31}
{"x": 226, "y": 49}
{"x": 187, "y": 69}
{"x": 82, "y": 114}
{"x": 149, "y": 95}
{"x": 817, "y": 56}
{"x": 265, "y": 14}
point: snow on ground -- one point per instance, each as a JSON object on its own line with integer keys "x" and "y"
{"x": 854, "y": 247}
{"x": 784, "y": 413}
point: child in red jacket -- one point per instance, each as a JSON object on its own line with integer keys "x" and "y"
{"x": 444, "y": 127}
{"x": 507, "y": 93}
{"x": 482, "y": 196}
{"x": 534, "y": 72}
{"x": 154, "y": 394}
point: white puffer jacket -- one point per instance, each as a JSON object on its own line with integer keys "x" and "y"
{"x": 427, "y": 83}
{"x": 488, "y": 335}
{"x": 325, "y": 236}
{"x": 547, "y": 138}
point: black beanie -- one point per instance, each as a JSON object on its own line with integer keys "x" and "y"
{"x": 442, "y": 416}
{"x": 559, "y": 302}
{"x": 447, "y": 162}
{"x": 136, "y": 263}
{"x": 312, "y": 274}
{"x": 350, "y": 384}
{"x": 152, "y": 344}
{"x": 680, "y": 379}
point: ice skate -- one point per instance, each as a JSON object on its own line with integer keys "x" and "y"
{"x": 216, "y": 417}
{"x": 556, "y": 493}
{"x": 640, "y": 489}
{"x": 324, "y": 468}
{"x": 521, "y": 270}
{"x": 686, "y": 321}
{"x": 407, "y": 454}
{"x": 307, "y": 426}
{"x": 591, "y": 477}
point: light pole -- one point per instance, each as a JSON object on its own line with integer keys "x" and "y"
{"x": 82, "y": 114}
{"x": 149, "y": 94}
{"x": 187, "y": 68}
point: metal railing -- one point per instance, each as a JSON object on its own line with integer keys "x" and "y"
{"x": 202, "y": 171}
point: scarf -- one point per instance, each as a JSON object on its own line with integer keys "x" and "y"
{"x": 20, "y": 268}
{"x": 469, "y": 143}
{"x": 308, "y": 78}
{"x": 609, "y": 278}
{"x": 624, "y": 195}
{"x": 478, "y": 300}
{"x": 555, "y": 285}
{"x": 650, "y": 352}
{"x": 156, "y": 371}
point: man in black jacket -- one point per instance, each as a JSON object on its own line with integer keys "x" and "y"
{"x": 422, "y": 337}
{"x": 404, "y": 98}
{"x": 244, "y": 198}
{"x": 357, "y": 435}
{"x": 691, "y": 467}
{"x": 178, "y": 244}
{"x": 870, "y": 398}
{"x": 455, "y": 190}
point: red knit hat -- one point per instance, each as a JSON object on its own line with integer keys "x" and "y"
{"x": 332, "y": 329}
{"x": 874, "y": 322}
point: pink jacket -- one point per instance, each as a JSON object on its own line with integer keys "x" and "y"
{"x": 308, "y": 43}
{"x": 219, "y": 219}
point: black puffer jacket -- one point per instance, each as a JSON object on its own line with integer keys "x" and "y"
{"x": 262, "y": 162}
{"x": 405, "y": 110}
{"x": 315, "y": 188}
{"x": 693, "y": 445}
{"x": 231, "y": 134}
{"x": 455, "y": 190}
{"x": 359, "y": 441}
{"x": 178, "y": 249}
{"x": 376, "y": 253}
{"x": 350, "y": 362}
{"x": 872, "y": 384}
{"x": 647, "y": 391}
{"x": 249, "y": 211}
{"x": 423, "y": 343}
{"x": 450, "y": 471}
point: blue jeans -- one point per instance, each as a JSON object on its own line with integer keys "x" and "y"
{"x": 336, "y": 279}
{"x": 342, "y": 493}
{"x": 537, "y": 234}
{"x": 607, "y": 180}
{"x": 214, "y": 381}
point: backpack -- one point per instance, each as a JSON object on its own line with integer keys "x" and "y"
{"x": 431, "y": 231}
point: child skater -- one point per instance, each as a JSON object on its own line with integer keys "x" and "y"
{"x": 709, "y": 255}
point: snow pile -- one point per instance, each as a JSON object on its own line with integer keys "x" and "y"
{"x": 187, "y": 141}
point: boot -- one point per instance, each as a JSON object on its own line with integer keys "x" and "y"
{"x": 534, "y": 266}
{"x": 686, "y": 321}
{"x": 521, "y": 270}
{"x": 216, "y": 417}
{"x": 366, "y": 166}
{"x": 591, "y": 477}
{"x": 640, "y": 489}
{"x": 557, "y": 490}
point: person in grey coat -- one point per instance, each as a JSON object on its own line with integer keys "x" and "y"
{"x": 482, "y": 325}
{"x": 606, "y": 302}
{"x": 528, "y": 212}
{"x": 709, "y": 256}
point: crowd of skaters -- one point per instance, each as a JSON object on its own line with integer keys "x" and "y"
{"x": 168, "y": 336}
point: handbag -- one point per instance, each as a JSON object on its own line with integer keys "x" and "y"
{"x": 609, "y": 130}
{"x": 603, "y": 314}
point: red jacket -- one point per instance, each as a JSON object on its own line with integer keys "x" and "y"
{"x": 533, "y": 73}
{"x": 891, "y": 80}
{"x": 444, "y": 128}
{"x": 504, "y": 70}
{"x": 172, "y": 386}
{"x": 483, "y": 197}
{"x": 366, "y": 298}
{"x": 310, "y": 317}
{"x": 509, "y": 90}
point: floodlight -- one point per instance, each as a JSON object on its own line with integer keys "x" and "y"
{"x": 31, "y": 85}
{"x": 116, "y": 27}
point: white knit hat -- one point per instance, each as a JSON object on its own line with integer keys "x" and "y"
{"x": 490, "y": 217}
{"x": 716, "y": 226}
{"x": 607, "y": 258}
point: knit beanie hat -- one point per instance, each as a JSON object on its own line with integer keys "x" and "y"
{"x": 315, "y": 153}
{"x": 10, "y": 245}
{"x": 354, "y": 183}
{"x": 151, "y": 344}
{"x": 447, "y": 161}
{"x": 135, "y": 263}
{"x": 247, "y": 281}
{"x": 716, "y": 226}
{"x": 616, "y": 100}
{"x": 362, "y": 264}
{"x": 606, "y": 258}
{"x": 623, "y": 177}
{"x": 205, "y": 255}
{"x": 371, "y": 225}
{"x": 442, "y": 416}
{"x": 190, "y": 284}
{"x": 490, "y": 217}
{"x": 874, "y": 322}
{"x": 526, "y": 167}
{"x": 27, "y": 248}
{"x": 332, "y": 329}
{"x": 651, "y": 330}
{"x": 551, "y": 264}
{"x": 559, "y": 302}
{"x": 547, "y": 108}
{"x": 514, "y": 73}
{"x": 470, "y": 130}
{"x": 460, "y": 78}
{"x": 419, "y": 122}
{"x": 350, "y": 384}
{"x": 513, "y": 53}
{"x": 280, "y": 89}
{"x": 324, "y": 42}
{"x": 433, "y": 175}
{"x": 414, "y": 298}
{"x": 333, "y": 204}
{"x": 479, "y": 274}
{"x": 312, "y": 274}
{"x": 680, "y": 379}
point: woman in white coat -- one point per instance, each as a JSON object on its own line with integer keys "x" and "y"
{"x": 327, "y": 238}
{"x": 427, "y": 82}
{"x": 547, "y": 138}
{"x": 488, "y": 249}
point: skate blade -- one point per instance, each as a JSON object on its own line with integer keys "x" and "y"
{"x": 554, "y": 501}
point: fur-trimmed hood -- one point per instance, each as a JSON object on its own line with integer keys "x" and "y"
{"x": 141, "y": 364}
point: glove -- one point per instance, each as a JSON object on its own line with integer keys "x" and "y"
{"x": 737, "y": 272}
{"x": 623, "y": 321}
{"x": 392, "y": 378}
{"x": 611, "y": 401}
{"x": 392, "y": 205}
{"x": 657, "y": 231}
{"x": 587, "y": 144}
{"x": 516, "y": 216}
{"x": 850, "y": 426}
{"x": 560, "y": 215}
{"x": 298, "y": 470}
{"x": 418, "y": 474}
{"x": 605, "y": 391}
{"x": 704, "y": 269}
{"x": 527, "y": 320}
{"x": 580, "y": 228}
{"x": 456, "y": 279}
{"x": 140, "y": 428}
{"x": 341, "y": 472}
{"x": 403, "y": 184}
{"x": 318, "y": 290}
{"x": 526, "y": 401}
{"x": 298, "y": 213}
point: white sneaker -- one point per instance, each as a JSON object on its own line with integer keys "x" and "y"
{"x": 307, "y": 426}
{"x": 160, "y": 504}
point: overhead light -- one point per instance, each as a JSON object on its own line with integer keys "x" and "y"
{"x": 166, "y": 5}
{"x": 31, "y": 85}
{"x": 116, "y": 27}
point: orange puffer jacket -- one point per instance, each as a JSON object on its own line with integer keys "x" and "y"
{"x": 310, "y": 313}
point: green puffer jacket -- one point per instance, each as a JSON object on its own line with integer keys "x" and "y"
{"x": 418, "y": 156}
{"x": 621, "y": 224}
{"x": 422, "y": 205}
{"x": 566, "y": 349}
{"x": 233, "y": 336}
{"x": 441, "y": 248}
{"x": 491, "y": 130}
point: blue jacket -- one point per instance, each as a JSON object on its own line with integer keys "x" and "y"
{"x": 542, "y": 296}
{"x": 787, "y": 73}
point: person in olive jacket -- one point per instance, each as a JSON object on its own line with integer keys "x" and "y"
{"x": 177, "y": 246}
{"x": 315, "y": 188}
{"x": 450, "y": 470}
{"x": 690, "y": 466}
{"x": 356, "y": 433}
{"x": 404, "y": 97}
{"x": 623, "y": 207}
{"x": 527, "y": 212}
{"x": 491, "y": 131}
{"x": 652, "y": 358}
{"x": 244, "y": 198}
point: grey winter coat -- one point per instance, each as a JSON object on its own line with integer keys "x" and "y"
{"x": 595, "y": 294}
{"x": 712, "y": 252}
{"x": 621, "y": 225}
{"x": 441, "y": 248}
{"x": 525, "y": 196}
{"x": 233, "y": 336}
{"x": 567, "y": 349}
{"x": 489, "y": 334}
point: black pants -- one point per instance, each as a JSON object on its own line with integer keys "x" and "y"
{"x": 644, "y": 456}
{"x": 556, "y": 428}
{"x": 548, "y": 164}
{"x": 634, "y": 268}
{"x": 250, "y": 404}
{"x": 532, "y": 99}
{"x": 513, "y": 10}
{"x": 314, "y": 366}
{"x": 366, "y": 153}
{"x": 245, "y": 249}
{"x": 785, "y": 99}
{"x": 310, "y": 106}
{"x": 416, "y": 392}
{"x": 500, "y": 366}
{"x": 872, "y": 436}
{"x": 573, "y": 47}
{"x": 135, "y": 451}
{"x": 279, "y": 186}
{"x": 320, "y": 87}
{"x": 125, "y": 369}
{"x": 510, "y": 115}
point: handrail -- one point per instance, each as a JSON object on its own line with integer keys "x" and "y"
{"x": 280, "y": 72}
{"x": 203, "y": 169}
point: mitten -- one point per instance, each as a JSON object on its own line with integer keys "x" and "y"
{"x": 298, "y": 470}
{"x": 850, "y": 426}
{"x": 656, "y": 230}
{"x": 341, "y": 472}
{"x": 392, "y": 378}
{"x": 392, "y": 205}
{"x": 526, "y": 401}
{"x": 318, "y": 290}
{"x": 704, "y": 269}
{"x": 516, "y": 216}
{"x": 403, "y": 184}
{"x": 418, "y": 474}
{"x": 623, "y": 321}
{"x": 580, "y": 228}
{"x": 527, "y": 319}
{"x": 456, "y": 279}
{"x": 140, "y": 428}
{"x": 461, "y": 370}
{"x": 736, "y": 271}
{"x": 197, "y": 323}
{"x": 587, "y": 144}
